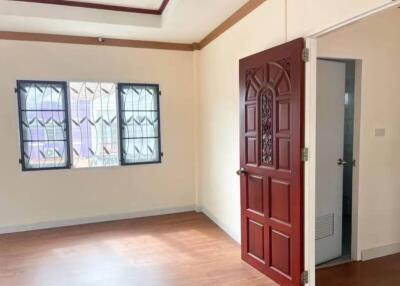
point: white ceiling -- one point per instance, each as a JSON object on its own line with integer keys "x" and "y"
{"x": 183, "y": 21}
{"x": 146, "y": 4}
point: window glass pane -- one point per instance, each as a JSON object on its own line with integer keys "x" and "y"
{"x": 94, "y": 124}
{"x": 42, "y": 96}
{"x": 140, "y": 150}
{"x": 140, "y": 126}
{"x": 47, "y": 154}
{"x": 44, "y": 127}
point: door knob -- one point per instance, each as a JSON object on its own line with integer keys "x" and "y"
{"x": 342, "y": 162}
{"x": 241, "y": 172}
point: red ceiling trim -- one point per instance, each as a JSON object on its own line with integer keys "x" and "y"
{"x": 159, "y": 11}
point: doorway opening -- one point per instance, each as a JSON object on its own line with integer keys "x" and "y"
{"x": 335, "y": 160}
{"x": 373, "y": 40}
{"x": 372, "y": 37}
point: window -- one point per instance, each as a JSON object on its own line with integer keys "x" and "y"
{"x": 139, "y": 123}
{"x": 94, "y": 124}
{"x": 109, "y": 124}
{"x": 43, "y": 125}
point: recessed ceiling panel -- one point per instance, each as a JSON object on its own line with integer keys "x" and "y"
{"x": 141, "y": 4}
{"x": 155, "y": 7}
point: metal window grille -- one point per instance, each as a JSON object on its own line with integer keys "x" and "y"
{"x": 43, "y": 124}
{"x": 139, "y": 111}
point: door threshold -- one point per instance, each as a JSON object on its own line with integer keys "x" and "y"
{"x": 334, "y": 262}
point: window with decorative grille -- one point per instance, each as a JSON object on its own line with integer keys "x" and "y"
{"x": 43, "y": 122}
{"x": 109, "y": 124}
{"x": 139, "y": 123}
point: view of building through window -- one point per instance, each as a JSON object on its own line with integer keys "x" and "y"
{"x": 94, "y": 124}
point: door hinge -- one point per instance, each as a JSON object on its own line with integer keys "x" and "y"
{"x": 159, "y": 93}
{"x": 16, "y": 90}
{"x": 304, "y": 278}
{"x": 305, "y": 55}
{"x": 304, "y": 154}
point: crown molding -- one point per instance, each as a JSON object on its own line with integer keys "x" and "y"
{"x": 66, "y": 39}
{"x": 245, "y": 10}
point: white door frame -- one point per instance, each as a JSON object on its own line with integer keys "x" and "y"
{"x": 310, "y": 135}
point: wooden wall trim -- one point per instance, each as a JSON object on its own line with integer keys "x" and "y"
{"x": 158, "y": 11}
{"x": 37, "y": 37}
{"x": 245, "y": 10}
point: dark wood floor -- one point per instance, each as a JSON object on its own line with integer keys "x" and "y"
{"x": 378, "y": 272}
{"x": 183, "y": 249}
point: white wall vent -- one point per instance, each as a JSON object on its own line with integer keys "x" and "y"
{"x": 324, "y": 226}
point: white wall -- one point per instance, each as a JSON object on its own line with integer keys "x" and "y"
{"x": 376, "y": 42}
{"x": 45, "y": 196}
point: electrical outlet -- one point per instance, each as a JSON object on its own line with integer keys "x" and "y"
{"x": 380, "y": 132}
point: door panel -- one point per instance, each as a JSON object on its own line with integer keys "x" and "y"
{"x": 256, "y": 240}
{"x": 271, "y": 132}
{"x": 255, "y": 193}
{"x": 280, "y": 201}
{"x": 329, "y": 176}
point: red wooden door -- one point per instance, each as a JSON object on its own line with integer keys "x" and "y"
{"x": 271, "y": 140}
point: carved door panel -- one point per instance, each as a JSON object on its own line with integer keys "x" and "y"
{"x": 271, "y": 139}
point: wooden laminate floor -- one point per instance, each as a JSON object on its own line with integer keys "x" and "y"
{"x": 180, "y": 249}
{"x": 383, "y": 271}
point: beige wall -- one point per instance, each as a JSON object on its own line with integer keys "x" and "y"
{"x": 37, "y": 197}
{"x": 306, "y": 17}
{"x": 376, "y": 42}
{"x": 274, "y": 22}
{"x": 213, "y": 98}
{"x": 219, "y": 109}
